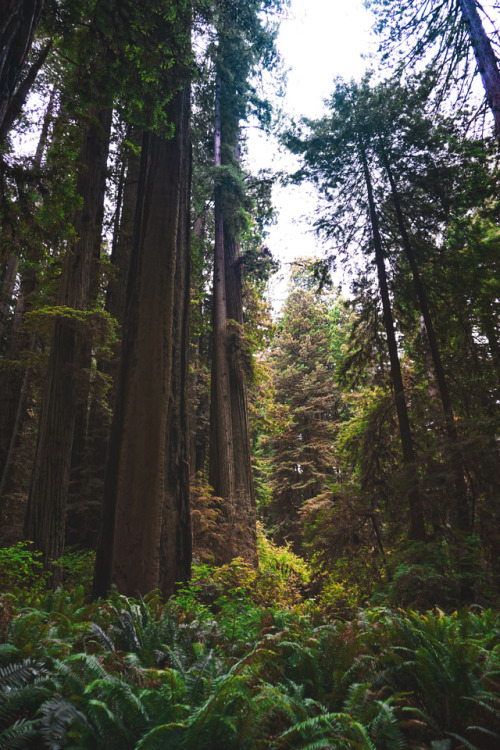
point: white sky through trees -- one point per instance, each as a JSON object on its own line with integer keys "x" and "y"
{"x": 319, "y": 40}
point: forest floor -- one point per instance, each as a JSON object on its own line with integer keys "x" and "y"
{"x": 238, "y": 659}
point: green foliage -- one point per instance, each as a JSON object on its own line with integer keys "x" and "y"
{"x": 21, "y": 566}
{"x": 97, "y": 323}
{"x": 21, "y": 571}
{"x": 213, "y": 668}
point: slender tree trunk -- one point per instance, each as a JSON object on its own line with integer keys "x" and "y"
{"x": 45, "y": 516}
{"x": 417, "y": 524}
{"x": 221, "y": 472}
{"x": 18, "y": 22}
{"x": 455, "y": 457}
{"x": 134, "y": 492}
{"x": 485, "y": 57}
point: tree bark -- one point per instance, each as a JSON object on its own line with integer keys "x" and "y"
{"x": 134, "y": 492}
{"x": 18, "y": 22}
{"x": 99, "y": 421}
{"x": 82, "y": 511}
{"x": 417, "y": 524}
{"x": 45, "y": 516}
{"x": 487, "y": 62}
{"x": 176, "y": 543}
{"x": 221, "y": 474}
{"x": 245, "y": 512}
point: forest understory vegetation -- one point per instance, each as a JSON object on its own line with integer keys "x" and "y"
{"x": 222, "y": 528}
{"x": 240, "y": 658}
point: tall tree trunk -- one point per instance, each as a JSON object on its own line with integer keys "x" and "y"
{"x": 134, "y": 492}
{"x": 455, "y": 457}
{"x": 417, "y": 524}
{"x": 221, "y": 474}
{"x": 245, "y": 516}
{"x": 176, "y": 543}
{"x": 81, "y": 495}
{"x": 18, "y": 22}
{"x": 485, "y": 57}
{"x": 45, "y": 516}
{"x": 230, "y": 455}
{"x": 99, "y": 422}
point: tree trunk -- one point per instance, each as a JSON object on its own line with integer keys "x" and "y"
{"x": 455, "y": 457}
{"x": 417, "y": 524}
{"x": 175, "y": 549}
{"x": 221, "y": 474}
{"x": 45, "y": 516}
{"x": 245, "y": 515}
{"x": 99, "y": 422}
{"x": 134, "y": 491}
{"x": 82, "y": 512}
{"x": 485, "y": 56}
{"x": 18, "y": 22}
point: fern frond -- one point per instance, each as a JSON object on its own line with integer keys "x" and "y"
{"x": 164, "y": 737}
{"x": 102, "y": 637}
{"x": 463, "y": 741}
{"x": 57, "y": 715}
{"x": 17, "y": 675}
{"x": 19, "y": 735}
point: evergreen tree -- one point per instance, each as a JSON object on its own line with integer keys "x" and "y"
{"x": 305, "y": 356}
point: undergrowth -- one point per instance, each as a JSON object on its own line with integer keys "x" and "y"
{"x": 238, "y": 659}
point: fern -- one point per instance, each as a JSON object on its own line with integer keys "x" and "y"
{"x": 57, "y": 715}
{"x": 19, "y": 735}
{"x": 163, "y": 737}
{"x": 17, "y": 675}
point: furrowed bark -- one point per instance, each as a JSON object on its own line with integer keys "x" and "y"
{"x": 175, "y": 548}
{"x": 134, "y": 491}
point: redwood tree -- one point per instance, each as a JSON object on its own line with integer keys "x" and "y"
{"x": 244, "y": 41}
{"x": 135, "y": 496}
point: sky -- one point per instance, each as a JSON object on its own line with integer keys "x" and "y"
{"x": 320, "y": 39}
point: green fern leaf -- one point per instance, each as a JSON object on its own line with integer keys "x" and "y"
{"x": 164, "y": 737}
